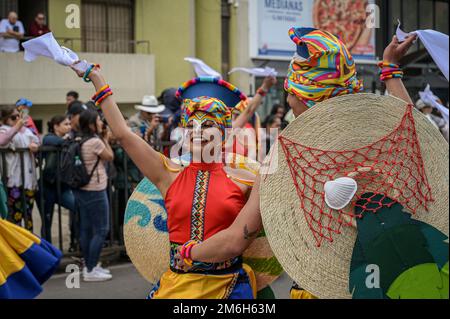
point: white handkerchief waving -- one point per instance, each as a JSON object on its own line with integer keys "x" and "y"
{"x": 428, "y": 97}
{"x": 202, "y": 69}
{"x": 256, "y": 71}
{"x": 436, "y": 43}
{"x": 47, "y": 46}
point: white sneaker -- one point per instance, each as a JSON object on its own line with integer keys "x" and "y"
{"x": 99, "y": 268}
{"x": 85, "y": 271}
{"x": 95, "y": 275}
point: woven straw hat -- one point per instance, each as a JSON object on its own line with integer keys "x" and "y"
{"x": 147, "y": 239}
{"x": 145, "y": 232}
{"x": 342, "y": 123}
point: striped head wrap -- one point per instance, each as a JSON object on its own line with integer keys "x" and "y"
{"x": 210, "y": 108}
{"x": 322, "y": 67}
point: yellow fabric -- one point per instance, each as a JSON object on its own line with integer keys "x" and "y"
{"x": 14, "y": 241}
{"x": 301, "y": 294}
{"x": 242, "y": 181}
{"x": 198, "y": 286}
{"x": 166, "y": 165}
{"x": 252, "y": 278}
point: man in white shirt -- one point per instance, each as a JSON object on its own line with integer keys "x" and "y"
{"x": 11, "y": 31}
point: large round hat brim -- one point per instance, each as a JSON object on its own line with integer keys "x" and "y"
{"x": 342, "y": 123}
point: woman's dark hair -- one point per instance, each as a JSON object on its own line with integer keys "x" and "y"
{"x": 269, "y": 120}
{"x": 6, "y": 112}
{"x": 87, "y": 119}
{"x": 55, "y": 120}
{"x": 275, "y": 109}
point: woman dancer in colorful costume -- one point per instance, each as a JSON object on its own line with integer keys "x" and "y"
{"x": 322, "y": 68}
{"x": 26, "y": 262}
{"x": 201, "y": 199}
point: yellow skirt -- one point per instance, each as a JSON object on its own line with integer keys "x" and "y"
{"x": 301, "y": 294}
{"x": 237, "y": 285}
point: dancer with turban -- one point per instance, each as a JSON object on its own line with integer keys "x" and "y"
{"x": 201, "y": 199}
{"x": 322, "y": 68}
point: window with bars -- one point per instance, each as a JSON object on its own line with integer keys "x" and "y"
{"x": 419, "y": 14}
{"x": 108, "y": 26}
{"x": 6, "y": 6}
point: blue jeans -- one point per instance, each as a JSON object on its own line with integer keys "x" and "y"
{"x": 94, "y": 224}
{"x": 51, "y": 198}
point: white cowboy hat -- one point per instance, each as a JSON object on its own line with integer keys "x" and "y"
{"x": 150, "y": 105}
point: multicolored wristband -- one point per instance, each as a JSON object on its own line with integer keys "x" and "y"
{"x": 185, "y": 251}
{"x": 89, "y": 71}
{"x": 101, "y": 95}
{"x": 390, "y": 71}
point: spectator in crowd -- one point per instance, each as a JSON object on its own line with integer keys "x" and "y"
{"x": 11, "y": 31}
{"x": 71, "y": 96}
{"x": 434, "y": 117}
{"x": 73, "y": 113}
{"x": 14, "y": 135}
{"x": 147, "y": 122}
{"x": 92, "y": 199}
{"x": 58, "y": 129}
{"x": 23, "y": 105}
{"x": 38, "y": 26}
{"x": 272, "y": 125}
{"x": 279, "y": 111}
{"x": 171, "y": 116}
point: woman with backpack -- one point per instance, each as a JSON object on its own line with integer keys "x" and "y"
{"x": 92, "y": 198}
{"x": 58, "y": 128}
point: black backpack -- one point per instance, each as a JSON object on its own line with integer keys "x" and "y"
{"x": 73, "y": 170}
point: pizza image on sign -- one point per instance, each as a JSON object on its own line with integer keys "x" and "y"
{"x": 345, "y": 19}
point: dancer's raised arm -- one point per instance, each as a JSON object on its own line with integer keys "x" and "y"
{"x": 393, "y": 53}
{"x": 255, "y": 103}
{"x": 143, "y": 155}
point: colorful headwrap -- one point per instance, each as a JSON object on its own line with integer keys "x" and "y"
{"x": 210, "y": 108}
{"x": 322, "y": 67}
{"x": 213, "y": 87}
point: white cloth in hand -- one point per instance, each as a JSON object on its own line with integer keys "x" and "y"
{"x": 429, "y": 98}
{"x": 202, "y": 69}
{"x": 256, "y": 71}
{"x": 436, "y": 44}
{"x": 47, "y": 46}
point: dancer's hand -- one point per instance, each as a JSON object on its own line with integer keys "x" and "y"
{"x": 395, "y": 51}
{"x": 268, "y": 82}
{"x": 79, "y": 67}
{"x": 180, "y": 262}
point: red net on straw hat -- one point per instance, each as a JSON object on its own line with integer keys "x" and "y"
{"x": 391, "y": 167}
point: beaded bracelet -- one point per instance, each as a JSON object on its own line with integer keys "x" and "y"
{"x": 390, "y": 71}
{"x": 89, "y": 71}
{"x": 101, "y": 95}
{"x": 185, "y": 252}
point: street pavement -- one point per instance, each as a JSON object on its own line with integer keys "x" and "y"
{"x": 127, "y": 283}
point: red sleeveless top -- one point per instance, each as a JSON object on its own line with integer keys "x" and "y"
{"x": 201, "y": 202}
